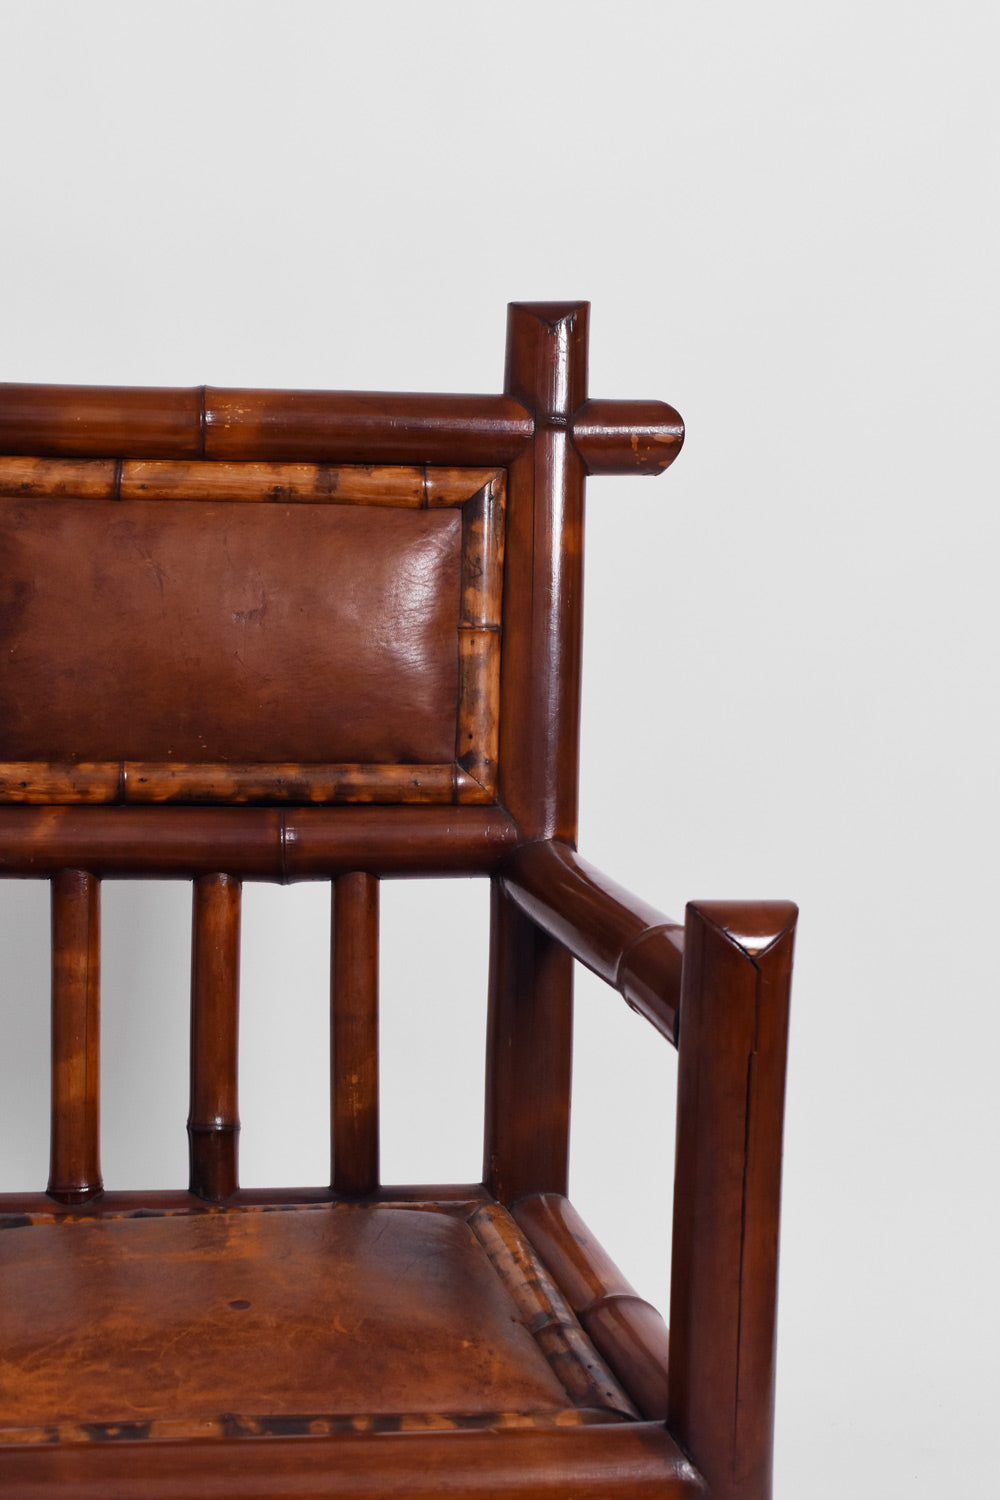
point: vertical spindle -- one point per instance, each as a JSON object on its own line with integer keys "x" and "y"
{"x": 213, "y": 1122}
{"x": 354, "y": 1035}
{"x": 74, "y": 1167}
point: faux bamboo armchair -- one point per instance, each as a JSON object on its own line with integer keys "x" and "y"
{"x": 261, "y": 635}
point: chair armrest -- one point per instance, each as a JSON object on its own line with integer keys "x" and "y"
{"x": 625, "y": 941}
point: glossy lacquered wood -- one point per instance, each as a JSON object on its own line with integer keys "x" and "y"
{"x": 633, "y": 1461}
{"x": 530, "y": 1004}
{"x": 528, "y": 1056}
{"x": 296, "y": 426}
{"x": 75, "y": 1170}
{"x": 289, "y": 601}
{"x": 84, "y": 421}
{"x": 266, "y": 843}
{"x": 19, "y": 1208}
{"x": 627, "y": 437}
{"x": 540, "y": 677}
{"x": 627, "y": 1331}
{"x": 411, "y": 486}
{"x": 354, "y": 1053}
{"x": 213, "y": 1119}
{"x": 727, "y": 1187}
{"x": 303, "y": 427}
{"x": 624, "y": 940}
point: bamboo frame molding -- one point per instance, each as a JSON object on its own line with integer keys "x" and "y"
{"x": 471, "y": 778}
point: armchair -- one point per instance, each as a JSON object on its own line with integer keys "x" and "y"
{"x": 283, "y": 636}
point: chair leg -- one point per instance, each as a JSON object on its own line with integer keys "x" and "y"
{"x": 733, "y": 1036}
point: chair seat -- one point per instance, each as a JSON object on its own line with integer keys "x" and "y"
{"x": 311, "y": 1320}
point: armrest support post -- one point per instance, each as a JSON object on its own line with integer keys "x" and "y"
{"x": 529, "y": 1056}
{"x": 730, "y": 1101}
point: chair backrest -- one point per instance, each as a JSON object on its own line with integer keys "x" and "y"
{"x": 299, "y": 635}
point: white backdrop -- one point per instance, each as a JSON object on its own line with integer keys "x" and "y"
{"x": 785, "y": 218}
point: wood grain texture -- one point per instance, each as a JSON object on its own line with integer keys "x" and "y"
{"x": 59, "y": 478}
{"x": 633, "y": 1339}
{"x": 454, "y": 486}
{"x": 546, "y": 371}
{"x": 254, "y": 843}
{"x": 141, "y": 782}
{"x": 79, "y": 782}
{"x": 390, "y": 785}
{"x": 619, "y": 937}
{"x": 483, "y": 539}
{"x": 363, "y": 427}
{"x": 629, "y": 1461}
{"x": 413, "y": 486}
{"x": 627, "y": 437}
{"x": 75, "y": 1169}
{"x": 261, "y": 483}
{"x": 727, "y": 1185}
{"x": 95, "y": 421}
{"x": 541, "y": 1306}
{"x": 584, "y": 1270}
{"x": 530, "y": 1001}
{"x": 627, "y": 1331}
{"x": 213, "y": 1118}
{"x": 19, "y": 1209}
{"x": 529, "y": 1056}
{"x": 260, "y": 425}
{"x": 357, "y": 598}
{"x": 478, "y": 736}
{"x": 354, "y": 1054}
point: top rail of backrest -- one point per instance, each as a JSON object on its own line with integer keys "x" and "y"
{"x": 209, "y": 422}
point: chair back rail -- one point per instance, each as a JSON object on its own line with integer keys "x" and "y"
{"x": 208, "y": 422}
{"x": 300, "y": 635}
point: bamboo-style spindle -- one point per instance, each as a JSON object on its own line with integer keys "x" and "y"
{"x": 727, "y": 1185}
{"x": 74, "y": 1167}
{"x": 354, "y": 1035}
{"x": 213, "y": 1122}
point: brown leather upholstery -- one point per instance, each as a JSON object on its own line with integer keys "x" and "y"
{"x": 186, "y": 631}
{"x": 322, "y": 1318}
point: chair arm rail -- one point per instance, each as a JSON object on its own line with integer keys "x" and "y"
{"x": 619, "y": 937}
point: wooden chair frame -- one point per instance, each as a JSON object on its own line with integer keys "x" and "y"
{"x": 698, "y": 1423}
